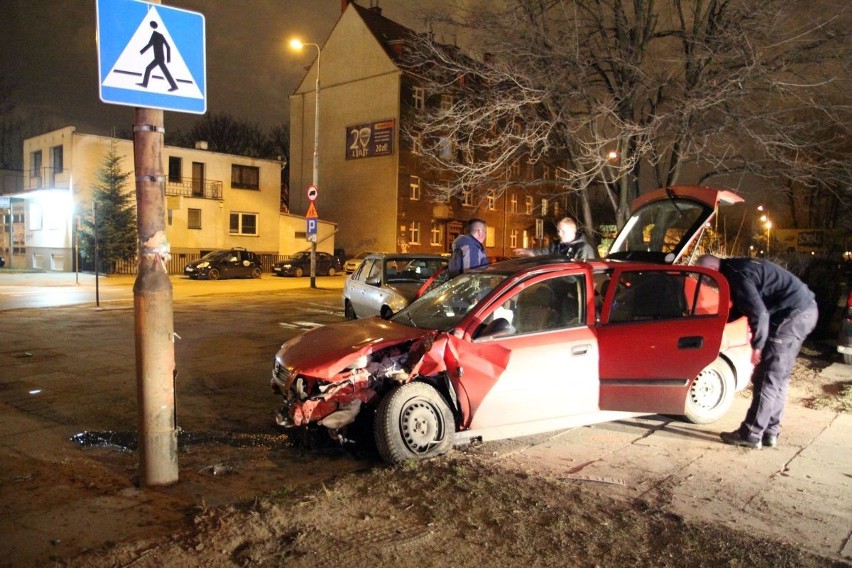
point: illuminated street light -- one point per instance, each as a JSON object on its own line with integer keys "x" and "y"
{"x": 768, "y": 225}
{"x": 298, "y": 45}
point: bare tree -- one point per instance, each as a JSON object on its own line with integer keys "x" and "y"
{"x": 625, "y": 94}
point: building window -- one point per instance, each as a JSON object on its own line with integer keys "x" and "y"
{"x": 516, "y": 169}
{"x": 193, "y": 219}
{"x": 528, "y": 204}
{"x": 513, "y": 203}
{"x": 35, "y": 171}
{"x": 175, "y": 169}
{"x": 414, "y": 233}
{"x": 418, "y": 97}
{"x": 446, "y": 148}
{"x": 56, "y": 159}
{"x": 245, "y": 177}
{"x": 467, "y": 198}
{"x": 492, "y": 202}
{"x": 490, "y": 233}
{"x": 539, "y": 228}
{"x": 468, "y": 154}
{"x": 546, "y": 173}
{"x": 34, "y": 219}
{"x": 416, "y": 143}
{"x": 414, "y": 184}
{"x": 243, "y": 223}
{"x": 544, "y": 207}
{"x": 436, "y": 236}
{"x": 446, "y": 103}
{"x": 513, "y": 238}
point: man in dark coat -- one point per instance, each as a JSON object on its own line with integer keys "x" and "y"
{"x": 468, "y": 249}
{"x": 781, "y": 312}
{"x": 572, "y": 243}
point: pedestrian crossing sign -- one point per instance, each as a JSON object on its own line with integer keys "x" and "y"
{"x": 151, "y": 56}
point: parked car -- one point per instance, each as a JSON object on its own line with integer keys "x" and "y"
{"x": 353, "y": 263}
{"x": 2, "y": 262}
{"x": 532, "y": 345}
{"x": 300, "y": 265}
{"x": 844, "y": 340}
{"x": 229, "y": 263}
{"x": 385, "y": 283}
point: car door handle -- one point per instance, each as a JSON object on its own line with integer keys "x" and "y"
{"x": 690, "y": 342}
{"x": 578, "y": 350}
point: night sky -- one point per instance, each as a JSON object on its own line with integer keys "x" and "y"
{"x": 50, "y": 56}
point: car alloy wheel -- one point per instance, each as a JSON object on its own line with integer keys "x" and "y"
{"x": 299, "y": 272}
{"x": 213, "y": 274}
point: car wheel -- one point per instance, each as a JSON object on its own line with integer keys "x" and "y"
{"x": 349, "y": 311}
{"x": 299, "y": 272}
{"x": 386, "y": 313}
{"x": 711, "y": 393}
{"x": 213, "y": 274}
{"x": 413, "y": 422}
{"x": 331, "y": 271}
{"x": 256, "y": 272}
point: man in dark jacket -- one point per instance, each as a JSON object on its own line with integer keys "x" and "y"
{"x": 572, "y": 243}
{"x": 781, "y": 312}
{"x": 468, "y": 250}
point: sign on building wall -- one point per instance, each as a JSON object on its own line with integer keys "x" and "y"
{"x": 369, "y": 140}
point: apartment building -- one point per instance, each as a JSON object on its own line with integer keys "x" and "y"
{"x": 213, "y": 200}
{"x": 371, "y": 180}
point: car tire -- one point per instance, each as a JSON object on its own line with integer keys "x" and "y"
{"x": 349, "y": 311}
{"x": 331, "y": 271}
{"x": 711, "y": 393}
{"x": 213, "y": 274}
{"x": 299, "y": 272}
{"x": 413, "y": 422}
{"x": 256, "y": 272}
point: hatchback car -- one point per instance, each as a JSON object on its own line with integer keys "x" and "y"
{"x": 532, "y": 345}
{"x": 385, "y": 283}
{"x": 300, "y": 264}
{"x": 231, "y": 263}
{"x": 353, "y": 263}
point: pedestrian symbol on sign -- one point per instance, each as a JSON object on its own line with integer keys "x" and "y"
{"x": 162, "y": 55}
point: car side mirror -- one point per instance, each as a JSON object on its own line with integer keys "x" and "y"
{"x": 497, "y": 328}
{"x": 374, "y": 281}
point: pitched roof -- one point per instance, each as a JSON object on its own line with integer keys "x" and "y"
{"x": 387, "y": 32}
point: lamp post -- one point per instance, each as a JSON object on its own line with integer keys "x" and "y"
{"x": 298, "y": 45}
{"x": 768, "y": 229}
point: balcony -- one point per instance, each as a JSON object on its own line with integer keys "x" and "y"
{"x": 193, "y": 187}
{"x": 47, "y": 178}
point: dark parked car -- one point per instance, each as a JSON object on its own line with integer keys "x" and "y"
{"x": 300, "y": 265}
{"x": 532, "y": 345}
{"x": 230, "y": 263}
{"x": 844, "y": 340}
{"x": 2, "y": 261}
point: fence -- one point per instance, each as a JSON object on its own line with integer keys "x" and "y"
{"x": 174, "y": 265}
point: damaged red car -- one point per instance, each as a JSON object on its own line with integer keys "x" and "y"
{"x": 533, "y": 345}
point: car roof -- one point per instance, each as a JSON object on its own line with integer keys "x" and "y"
{"x": 407, "y": 256}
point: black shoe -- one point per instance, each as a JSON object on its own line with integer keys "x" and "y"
{"x": 735, "y": 439}
{"x": 770, "y": 440}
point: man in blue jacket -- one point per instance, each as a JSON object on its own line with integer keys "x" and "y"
{"x": 781, "y": 312}
{"x": 468, "y": 250}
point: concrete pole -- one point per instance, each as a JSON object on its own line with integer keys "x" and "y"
{"x": 152, "y": 301}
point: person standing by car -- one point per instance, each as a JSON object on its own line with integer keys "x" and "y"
{"x": 781, "y": 312}
{"x": 572, "y": 243}
{"x": 468, "y": 250}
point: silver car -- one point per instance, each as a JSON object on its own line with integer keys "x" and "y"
{"x": 353, "y": 263}
{"x": 385, "y": 283}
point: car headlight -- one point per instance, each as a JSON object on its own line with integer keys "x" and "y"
{"x": 204, "y": 264}
{"x": 359, "y": 363}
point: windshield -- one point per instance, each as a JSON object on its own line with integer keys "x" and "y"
{"x": 216, "y": 255}
{"x": 445, "y": 306}
{"x": 301, "y": 255}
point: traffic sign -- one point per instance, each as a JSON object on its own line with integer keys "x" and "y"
{"x": 312, "y": 211}
{"x": 313, "y": 192}
{"x": 311, "y": 232}
{"x": 151, "y": 56}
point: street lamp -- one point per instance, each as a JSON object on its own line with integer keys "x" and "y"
{"x": 298, "y": 45}
{"x": 768, "y": 226}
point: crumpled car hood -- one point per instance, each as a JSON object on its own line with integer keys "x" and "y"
{"x": 407, "y": 290}
{"x": 325, "y": 351}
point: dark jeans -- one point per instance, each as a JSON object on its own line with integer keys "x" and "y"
{"x": 772, "y": 375}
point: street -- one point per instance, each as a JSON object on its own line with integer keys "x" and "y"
{"x": 68, "y": 416}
